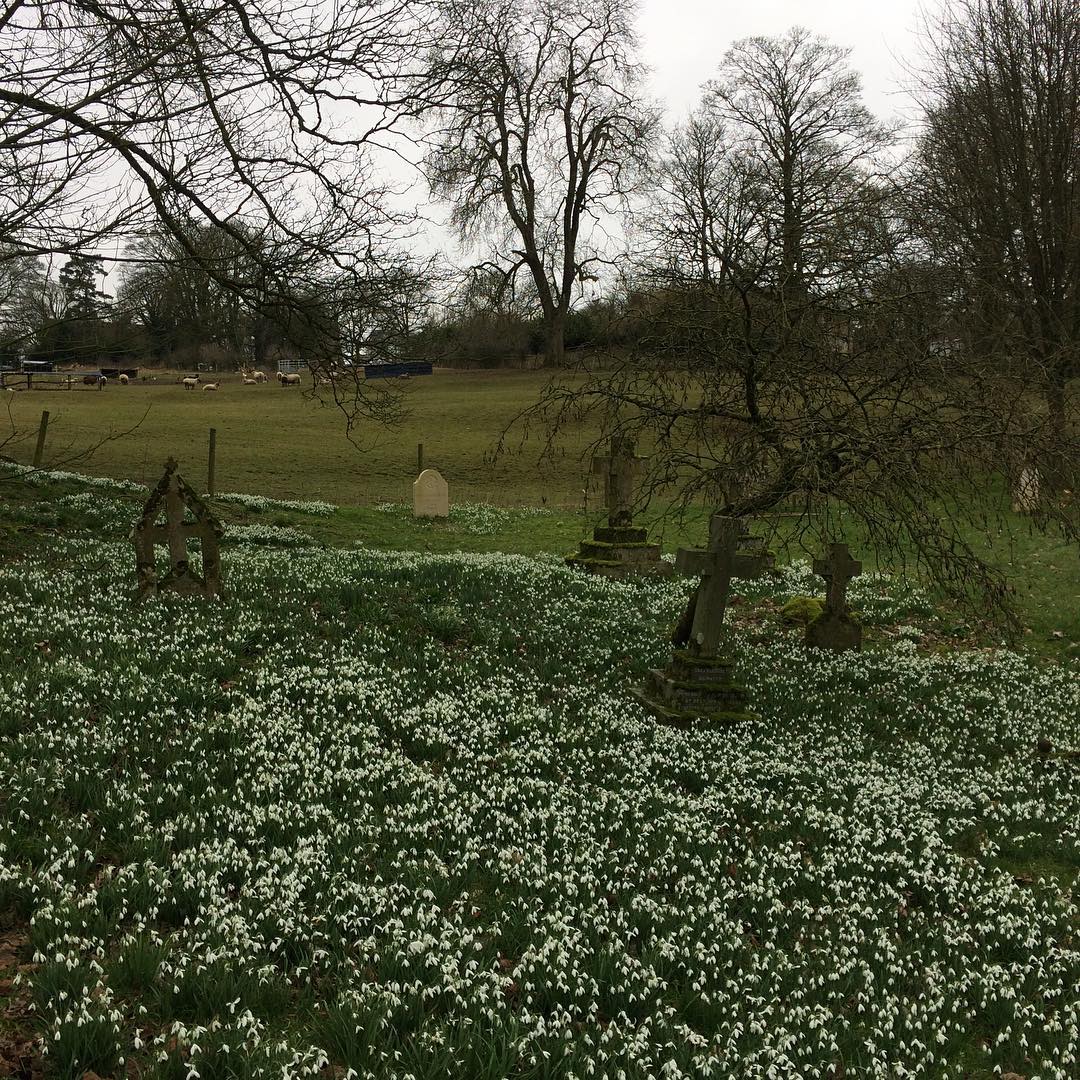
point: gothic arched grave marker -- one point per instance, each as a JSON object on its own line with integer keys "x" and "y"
{"x": 174, "y": 498}
{"x": 836, "y": 628}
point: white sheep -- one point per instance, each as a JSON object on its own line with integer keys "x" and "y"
{"x": 210, "y": 386}
{"x": 190, "y": 382}
{"x": 123, "y": 379}
{"x": 288, "y": 380}
{"x": 250, "y": 382}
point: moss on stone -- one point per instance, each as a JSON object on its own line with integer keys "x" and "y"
{"x": 684, "y": 656}
{"x": 802, "y": 610}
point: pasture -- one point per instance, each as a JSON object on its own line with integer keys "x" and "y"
{"x": 286, "y": 444}
{"x": 397, "y": 813}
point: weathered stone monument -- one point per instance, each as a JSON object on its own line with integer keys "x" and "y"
{"x": 836, "y": 628}
{"x": 619, "y": 549}
{"x": 176, "y": 498}
{"x": 1026, "y": 499}
{"x": 431, "y": 495}
{"x": 697, "y": 686}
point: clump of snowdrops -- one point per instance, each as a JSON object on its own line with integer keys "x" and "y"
{"x": 295, "y": 828}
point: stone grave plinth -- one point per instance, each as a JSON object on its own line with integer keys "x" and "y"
{"x": 619, "y": 549}
{"x": 698, "y": 686}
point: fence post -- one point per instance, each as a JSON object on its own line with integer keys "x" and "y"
{"x": 419, "y": 458}
{"x": 211, "y": 462}
{"x": 44, "y": 427}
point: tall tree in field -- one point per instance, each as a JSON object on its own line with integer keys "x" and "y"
{"x": 791, "y": 355}
{"x": 537, "y": 133}
{"x": 792, "y": 107}
{"x": 999, "y": 183}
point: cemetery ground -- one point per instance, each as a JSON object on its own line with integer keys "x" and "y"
{"x": 284, "y": 445}
{"x": 397, "y": 812}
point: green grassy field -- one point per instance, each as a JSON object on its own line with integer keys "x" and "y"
{"x": 286, "y": 444}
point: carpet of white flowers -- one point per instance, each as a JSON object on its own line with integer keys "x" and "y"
{"x": 397, "y": 814}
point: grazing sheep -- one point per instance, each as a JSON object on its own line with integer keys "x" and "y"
{"x": 210, "y": 386}
{"x": 190, "y": 382}
{"x": 288, "y": 380}
{"x": 123, "y": 379}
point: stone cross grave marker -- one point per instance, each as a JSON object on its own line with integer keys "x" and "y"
{"x": 176, "y": 498}
{"x": 431, "y": 495}
{"x": 717, "y": 565}
{"x": 620, "y": 469}
{"x": 835, "y": 628}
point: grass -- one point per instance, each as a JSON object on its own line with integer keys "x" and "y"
{"x": 1044, "y": 570}
{"x": 286, "y": 444}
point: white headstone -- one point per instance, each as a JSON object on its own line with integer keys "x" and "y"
{"x": 430, "y": 495}
{"x": 1026, "y": 492}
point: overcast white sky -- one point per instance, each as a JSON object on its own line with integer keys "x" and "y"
{"x": 684, "y": 40}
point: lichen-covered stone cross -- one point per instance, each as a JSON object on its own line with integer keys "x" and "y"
{"x": 717, "y": 565}
{"x": 837, "y": 570}
{"x": 620, "y": 469}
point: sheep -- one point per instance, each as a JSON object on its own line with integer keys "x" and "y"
{"x": 91, "y": 380}
{"x": 123, "y": 379}
{"x": 210, "y": 386}
{"x": 190, "y": 382}
{"x": 288, "y": 380}
{"x": 250, "y": 382}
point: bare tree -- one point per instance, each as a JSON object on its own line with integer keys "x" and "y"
{"x": 537, "y": 129}
{"x": 792, "y": 359}
{"x": 254, "y": 118}
{"x": 999, "y": 183}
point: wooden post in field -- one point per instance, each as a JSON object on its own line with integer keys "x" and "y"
{"x": 419, "y": 458}
{"x": 211, "y": 462}
{"x": 42, "y": 429}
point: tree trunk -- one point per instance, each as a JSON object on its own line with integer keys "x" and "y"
{"x": 555, "y": 351}
{"x": 1056, "y": 467}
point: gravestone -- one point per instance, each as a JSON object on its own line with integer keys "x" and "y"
{"x": 1026, "y": 491}
{"x": 836, "y": 628}
{"x": 174, "y": 498}
{"x": 618, "y": 549}
{"x": 431, "y": 495}
{"x": 697, "y": 686}
{"x": 620, "y": 468}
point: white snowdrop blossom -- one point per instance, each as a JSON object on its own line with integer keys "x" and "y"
{"x": 399, "y": 815}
